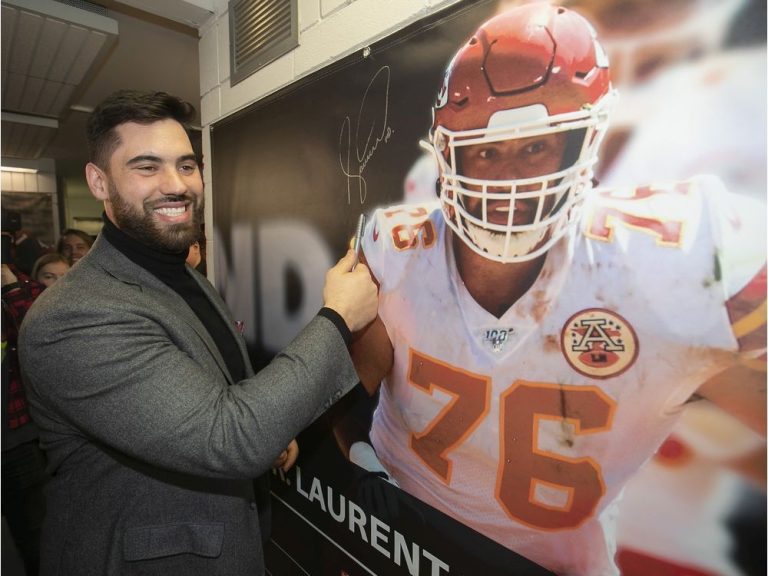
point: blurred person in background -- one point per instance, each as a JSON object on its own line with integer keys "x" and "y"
{"x": 20, "y": 247}
{"x": 49, "y": 268}
{"x": 26, "y": 250}
{"x": 74, "y": 244}
{"x": 676, "y": 62}
{"x": 23, "y": 462}
{"x": 673, "y": 517}
{"x": 196, "y": 255}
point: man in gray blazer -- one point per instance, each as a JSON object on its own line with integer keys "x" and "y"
{"x": 154, "y": 423}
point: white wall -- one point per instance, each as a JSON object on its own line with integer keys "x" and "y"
{"x": 328, "y": 30}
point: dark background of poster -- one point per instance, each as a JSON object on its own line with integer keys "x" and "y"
{"x": 282, "y": 154}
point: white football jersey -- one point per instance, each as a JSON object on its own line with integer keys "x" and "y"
{"x": 526, "y": 427}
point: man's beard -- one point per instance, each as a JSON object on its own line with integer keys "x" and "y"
{"x": 142, "y": 226}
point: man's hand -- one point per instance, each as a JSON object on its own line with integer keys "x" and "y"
{"x": 287, "y": 457}
{"x": 351, "y": 293}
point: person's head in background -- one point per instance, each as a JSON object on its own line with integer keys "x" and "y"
{"x": 49, "y": 268}
{"x": 74, "y": 244}
{"x": 143, "y": 167}
{"x": 196, "y": 255}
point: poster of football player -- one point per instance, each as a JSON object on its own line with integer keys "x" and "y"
{"x": 537, "y": 338}
{"x": 675, "y": 66}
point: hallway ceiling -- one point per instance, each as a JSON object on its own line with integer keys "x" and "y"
{"x": 61, "y": 57}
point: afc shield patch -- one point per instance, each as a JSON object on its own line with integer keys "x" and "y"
{"x": 599, "y": 343}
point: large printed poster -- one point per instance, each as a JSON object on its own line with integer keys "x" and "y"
{"x": 292, "y": 174}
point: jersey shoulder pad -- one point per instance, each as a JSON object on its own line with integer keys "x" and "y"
{"x": 399, "y": 234}
{"x": 667, "y": 213}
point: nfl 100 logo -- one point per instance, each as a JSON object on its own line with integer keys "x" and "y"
{"x": 497, "y": 338}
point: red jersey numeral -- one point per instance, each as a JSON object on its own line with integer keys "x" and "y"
{"x": 605, "y": 218}
{"x": 406, "y": 236}
{"x": 524, "y": 467}
{"x": 457, "y": 420}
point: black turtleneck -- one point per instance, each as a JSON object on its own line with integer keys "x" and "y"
{"x": 170, "y": 268}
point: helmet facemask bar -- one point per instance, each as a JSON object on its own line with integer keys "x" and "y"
{"x": 555, "y": 195}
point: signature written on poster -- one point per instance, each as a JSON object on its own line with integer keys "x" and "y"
{"x": 359, "y": 140}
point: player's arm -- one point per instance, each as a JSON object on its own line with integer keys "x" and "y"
{"x": 351, "y": 421}
{"x": 351, "y": 418}
{"x": 371, "y": 350}
{"x": 372, "y": 355}
{"x": 740, "y": 389}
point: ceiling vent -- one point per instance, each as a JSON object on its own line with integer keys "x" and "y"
{"x": 260, "y": 31}
{"x": 85, "y": 5}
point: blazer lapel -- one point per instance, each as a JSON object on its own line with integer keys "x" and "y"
{"x": 221, "y": 308}
{"x": 122, "y": 268}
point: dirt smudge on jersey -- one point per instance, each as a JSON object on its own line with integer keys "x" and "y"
{"x": 567, "y": 439}
{"x": 551, "y": 343}
{"x": 540, "y": 305}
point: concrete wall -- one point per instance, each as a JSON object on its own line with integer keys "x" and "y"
{"x": 328, "y": 31}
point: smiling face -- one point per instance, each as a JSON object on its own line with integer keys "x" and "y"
{"x": 73, "y": 247}
{"x": 152, "y": 188}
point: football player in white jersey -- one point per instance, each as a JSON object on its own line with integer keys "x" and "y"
{"x": 537, "y": 340}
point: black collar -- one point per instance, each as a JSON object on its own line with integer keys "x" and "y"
{"x": 164, "y": 265}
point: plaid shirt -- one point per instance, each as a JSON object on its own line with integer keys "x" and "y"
{"x": 17, "y": 299}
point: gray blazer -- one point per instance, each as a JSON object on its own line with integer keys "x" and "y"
{"x": 152, "y": 445}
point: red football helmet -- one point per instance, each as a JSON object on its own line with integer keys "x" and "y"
{"x": 534, "y": 70}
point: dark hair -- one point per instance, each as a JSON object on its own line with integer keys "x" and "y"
{"x": 44, "y": 260}
{"x": 202, "y": 241}
{"x": 130, "y": 106}
{"x": 201, "y": 235}
{"x": 84, "y": 236}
